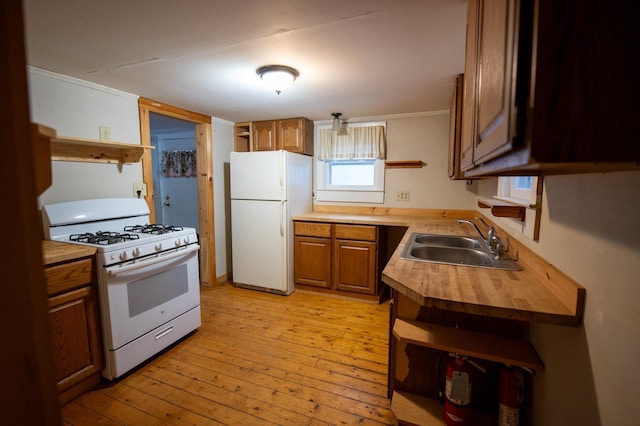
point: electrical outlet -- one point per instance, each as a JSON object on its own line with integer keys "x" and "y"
{"x": 139, "y": 186}
{"x": 105, "y": 133}
{"x": 402, "y": 196}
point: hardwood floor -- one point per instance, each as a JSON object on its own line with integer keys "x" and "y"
{"x": 258, "y": 359}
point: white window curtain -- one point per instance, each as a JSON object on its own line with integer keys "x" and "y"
{"x": 352, "y": 142}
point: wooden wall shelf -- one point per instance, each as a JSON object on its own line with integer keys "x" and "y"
{"x": 503, "y": 208}
{"x": 408, "y": 164}
{"x": 470, "y": 343}
{"x": 65, "y": 148}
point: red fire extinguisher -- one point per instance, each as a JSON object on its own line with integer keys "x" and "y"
{"x": 511, "y": 395}
{"x": 457, "y": 391}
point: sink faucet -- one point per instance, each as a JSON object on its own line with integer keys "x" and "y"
{"x": 468, "y": 222}
{"x": 493, "y": 241}
{"x": 491, "y": 233}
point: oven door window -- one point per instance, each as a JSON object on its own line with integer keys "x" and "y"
{"x": 156, "y": 290}
{"x": 142, "y": 299}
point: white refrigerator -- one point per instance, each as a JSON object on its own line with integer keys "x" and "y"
{"x": 267, "y": 189}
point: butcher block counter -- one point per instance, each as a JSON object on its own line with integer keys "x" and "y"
{"x": 538, "y": 293}
{"x": 55, "y": 252}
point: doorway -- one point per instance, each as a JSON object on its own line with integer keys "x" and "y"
{"x": 204, "y": 177}
{"x": 174, "y": 170}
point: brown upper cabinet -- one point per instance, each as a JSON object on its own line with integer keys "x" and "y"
{"x": 455, "y": 126}
{"x": 264, "y": 136}
{"x": 543, "y": 89}
{"x": 292, "y": 134}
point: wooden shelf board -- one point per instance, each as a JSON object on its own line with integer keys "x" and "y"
{"x": 65, "y": 148}
{"x": 41, "y": 137}
{"x": 470, "y": 343}
{"x": 413, "y": 409}
{"x": 416, "y": 410}
{"x": 408, "y": 164}
{"x": 503, "y": 208}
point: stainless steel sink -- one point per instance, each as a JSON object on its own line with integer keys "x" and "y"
{"x": 454, "y": 250}
{"x": 448, "y": 240}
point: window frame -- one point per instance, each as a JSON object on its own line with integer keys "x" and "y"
{"x": 325, "y": 191}
{"x": 522, "y": 197}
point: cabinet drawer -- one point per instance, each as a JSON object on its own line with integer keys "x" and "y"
{"x": 312, "y": 229}
{"x": 68, "y": 276}
{"x": 357, "y": 232}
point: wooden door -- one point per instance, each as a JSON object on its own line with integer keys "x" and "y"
{"x": 312, "y": 261}
{"x": 29, "y": 394}
{"x": 495, "y": 79}
{"x": 264, "y": 136}
{"x": 354, "y": 266}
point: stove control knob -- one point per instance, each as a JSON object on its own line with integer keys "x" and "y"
{"x": 186, "y": 240}
{"x": 123, "y": 255}
{"x": 158, "y": 247}
{"x": 177, "y": 242}
{"x": 136, "y": 252}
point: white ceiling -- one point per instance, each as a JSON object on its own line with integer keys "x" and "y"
{"x": 364, "y": 58}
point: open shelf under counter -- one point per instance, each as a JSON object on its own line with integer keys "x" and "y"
{"x": 411, "y": 409}
{"x": 469, "y": 343}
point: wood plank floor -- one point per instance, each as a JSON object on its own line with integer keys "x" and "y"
{"x": 258, "y": 359}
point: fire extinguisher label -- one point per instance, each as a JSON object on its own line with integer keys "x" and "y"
{"x": 458, "y": 388}
{"x": 508, "y": 416}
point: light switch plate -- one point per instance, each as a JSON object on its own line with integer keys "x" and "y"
{"x": 105, "y": 133}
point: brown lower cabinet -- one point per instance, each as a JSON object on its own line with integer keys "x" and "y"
{"x": 75, "y": 326}
{"x": 337, "y": 258}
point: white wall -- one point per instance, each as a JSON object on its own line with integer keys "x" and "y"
{"x": 590, "y": 230}
{"x": 222, "y": 135}
{"x": 77, "y": 108}
{"x": 422, "y": 137}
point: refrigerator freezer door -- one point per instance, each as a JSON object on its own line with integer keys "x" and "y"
{"x": 260, "y": 235}
{"x": 257, "y": 175}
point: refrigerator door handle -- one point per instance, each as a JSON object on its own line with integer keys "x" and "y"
{"x": 282, "y": 215}
{"x": 282, "y": 165}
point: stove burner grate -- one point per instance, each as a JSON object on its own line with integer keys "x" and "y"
{"x": 102, "y": 238}
{"x": 154, "y": 229}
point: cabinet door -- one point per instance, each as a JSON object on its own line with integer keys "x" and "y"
{"x": 495, "y": 79}
{"x": 355, "y": 266}
{"x": 76, "y": 338}
{"x": 468, "y": 132}
{"x": 264, "y": 136}
{"x": 312, "y": 261}
{"x": 291, "y": 134}
{"x": 454, "y": 130}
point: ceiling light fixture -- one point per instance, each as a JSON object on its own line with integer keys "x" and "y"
{"x": 279, "y": 77}
{"x": 337, "y": 124}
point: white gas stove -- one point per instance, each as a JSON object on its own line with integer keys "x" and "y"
{"x": 118, "y": 227}
{"x": 148, "y": 275}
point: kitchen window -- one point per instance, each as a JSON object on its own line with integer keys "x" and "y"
{"x": 350, "y": 163}
{"x": 525, "y": 191}
{"x": 522, "y": 190}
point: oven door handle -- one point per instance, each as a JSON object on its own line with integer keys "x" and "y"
{"x": 113, "y": 272}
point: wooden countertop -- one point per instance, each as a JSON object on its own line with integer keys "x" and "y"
{"x": 55, "y": 252}
{"x": 540, "y": 292}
